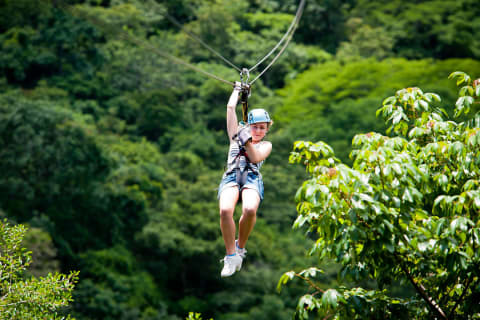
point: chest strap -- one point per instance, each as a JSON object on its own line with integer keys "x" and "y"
{"x": 241, "y": 175}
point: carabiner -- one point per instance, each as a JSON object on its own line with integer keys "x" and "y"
{"x": 244, "y": 76}
{"x": 246, "y": 89}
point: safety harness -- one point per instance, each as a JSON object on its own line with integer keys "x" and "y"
{"x": 234, "y": 165}
{"x": 241, "y": 175}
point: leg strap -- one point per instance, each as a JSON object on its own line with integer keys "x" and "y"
{"x": 241, "y": 176}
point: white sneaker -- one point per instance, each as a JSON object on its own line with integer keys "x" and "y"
{"x": 241, "y": 252}
{"x": 231, "y": 264}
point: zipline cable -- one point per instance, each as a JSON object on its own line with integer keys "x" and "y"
{"x": 302, "y": 4}
{"x": 287, "y": 36}
{"x": 193, "y": 36}
{"x": 123, "y": 34}
{"x": 298, "y": 15}
{"x": 127, "y": 37}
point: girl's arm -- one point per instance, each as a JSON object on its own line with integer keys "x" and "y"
{"x": 261, "y": 153}
{"x": 232, "y": 121}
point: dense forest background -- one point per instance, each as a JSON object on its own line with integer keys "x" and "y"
{"x": 112, "y": 154}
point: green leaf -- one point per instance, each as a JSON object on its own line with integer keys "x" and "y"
{"x": 436, "y": 97}
{"x": 466, "y": 90}
{"x": 440, "y": 224}
{"x": 422, "y": 247}
{"x": 390, "y": 248}
{"x": 310, "y": 272}
{"x": 456, "y": 74}
{"x": 390, "y": 100}
{"x": 455, "y": 148}
{"x": 307, "y": 303}
{"x": 442, "y": 180}
{"x": 461, "y": 224}
{"x": 460, "y": 76}
{"x": 287, "y": 276}
{"x": 421, "y": 215}
{"x": 300, "y": 221}
{"x": 330, "y": 299}
{"x": 365, "y": 197}
{"x": 416, "y": 132}
{"x": 389, "y": 225}
{"x": 407, "y": 196}
{"x": 468, "y": 101}
{"x": 396, "y": 167}
{"x": 476, "y": 202}
{"x": 476, "y": 237}
{"x": 424, "y": 104}
{"x": 310, "y": 190}
{"x": 298, "y": 195}
{"x": 460, "y": 102}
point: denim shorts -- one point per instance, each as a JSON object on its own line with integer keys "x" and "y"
{"x": 254, "y": 181}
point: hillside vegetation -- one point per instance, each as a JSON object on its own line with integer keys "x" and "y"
{"x": 114, "y": 152}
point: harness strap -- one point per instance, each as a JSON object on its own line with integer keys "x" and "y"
{"x": 244, "y": 100}
{"x": 245, "y": 93}
{"x": 241, "y": 175}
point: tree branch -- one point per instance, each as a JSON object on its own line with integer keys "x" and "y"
{"x": 310, "y": 282}
{"x": 421, "y": 290}
{"x": 462, "y": 296}
{"x": 328, "y": 316}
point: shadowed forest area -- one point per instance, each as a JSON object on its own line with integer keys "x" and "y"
{"x": 111, "y": 153}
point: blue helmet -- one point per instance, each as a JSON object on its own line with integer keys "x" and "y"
{"x": 258, "y": 115}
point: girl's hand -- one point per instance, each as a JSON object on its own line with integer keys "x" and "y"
{"x": 244, "y": 135}
{"x": 237, "y": 86}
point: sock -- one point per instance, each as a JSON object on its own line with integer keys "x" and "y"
{"x": 236, "y": 244}
{"x": 231, "y": 255}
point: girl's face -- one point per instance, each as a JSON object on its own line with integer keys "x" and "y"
{"x": 258, "y": 131}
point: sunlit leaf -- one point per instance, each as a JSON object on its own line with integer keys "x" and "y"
{"x": 330, "y": 298}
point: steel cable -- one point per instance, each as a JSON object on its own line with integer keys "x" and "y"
{"x": 300, "y": 10}
{"x": 298, "y": 15}
{"x": 123, "y": 34}
{"x": 287, "y": 36}
{"x": 194, "y": 37}
{"x": 176, "y": 59}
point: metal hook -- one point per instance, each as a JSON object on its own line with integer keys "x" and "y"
{"x": 244, "y": 76}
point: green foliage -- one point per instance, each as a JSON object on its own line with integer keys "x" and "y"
{"x": 50, "y": 160}
{"x": 20, "y": 13}
{"x": 44, "y": 254}
{"x": 433, "y": 28}
{"x": 335, "y": 101}
{"x": 214, "y": 24}
{"x": 59, "y": 47}
{"x": 406, "y": 210}
{"x": 29, "y": 298}
{"x": 195, "y": 316}
{"x": 113, "y": 153}
{"x": 365, "y": 42}
{"x": 121, "y": 290}
{"x": 323, "y": 22}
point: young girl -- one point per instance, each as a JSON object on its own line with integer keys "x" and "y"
{"x": 242, "y": 179}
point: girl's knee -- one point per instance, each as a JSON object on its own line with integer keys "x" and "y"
{"x": 226, "y": 213}
{"x": 249, "y": 211}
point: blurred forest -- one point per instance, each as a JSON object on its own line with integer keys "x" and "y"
{"x": 112, "y": 154}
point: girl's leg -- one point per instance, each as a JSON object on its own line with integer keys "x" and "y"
{"x": 227, "y": 202}
{"x": 251, "y": 201}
